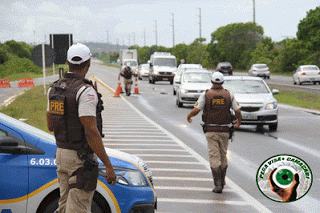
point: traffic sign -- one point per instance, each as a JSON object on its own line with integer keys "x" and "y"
{"x": 36, "y": 55}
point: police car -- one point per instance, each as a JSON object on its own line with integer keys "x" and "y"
{"x": 28, "y": 180}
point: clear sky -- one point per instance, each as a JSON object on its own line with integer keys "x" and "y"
{"x": 128, "y": 22}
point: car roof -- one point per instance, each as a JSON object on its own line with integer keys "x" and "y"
{"x": 259, "y": 64}
{"x": 308, "y": 66}
{"x": 252, "y": 78}
{"x": 189, "y": 65}
{"x": 197, "y": 71}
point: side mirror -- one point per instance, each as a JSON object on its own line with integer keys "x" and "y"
{"x": 275, "y": 92}
{"x": 9, "y": 145}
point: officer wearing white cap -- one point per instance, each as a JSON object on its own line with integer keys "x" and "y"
{"x": 74, "y": 115}
{"x": 216, "y": 104}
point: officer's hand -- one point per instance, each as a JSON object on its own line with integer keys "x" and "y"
{"x": 236, "y": 124}
{"x": 110, "y": 177}
{"x": 287, "y": 194}
{"x": 189, "y": 119}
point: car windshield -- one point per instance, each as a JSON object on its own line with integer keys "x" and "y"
{"x": 310, "y": 68}
{"x": 144, "y": 65}
{"x": 171, "y": 62}
{"x": 246, "y": 86}
{"x": 132, "y": 63}
{"x": 224, "y": 64}
{"x": 261, "y": 66}
{"x": 28, "y": 128}
{"x": 197, "y": 78}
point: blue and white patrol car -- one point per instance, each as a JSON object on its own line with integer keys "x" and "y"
{"x": 28, "y": 180}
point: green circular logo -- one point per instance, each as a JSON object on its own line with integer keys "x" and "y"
{"x": 284, "y": 178}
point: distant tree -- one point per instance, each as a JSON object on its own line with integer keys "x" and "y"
{"x": 180, "y": 51}
{"x": 309, "y": 28}
{"x": 4, "y": 56}
{"x": 197, "y": 53}
{"x": 234, "y": 43}
{"x": 21, "y": 49}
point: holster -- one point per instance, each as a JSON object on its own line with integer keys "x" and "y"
{"x": 204, "y": 128}
{"x": 86, "y": 176}
{"x": 85, "y": 179}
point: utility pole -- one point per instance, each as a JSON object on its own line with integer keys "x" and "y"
{"x": 134, "y": 38}
{"x": 156, "y": 31}
{"x": 144, "y": 36}
{"x": 173, "y": 29}
{"x": 200, "y": 24}
{"x": 254, "y": 11}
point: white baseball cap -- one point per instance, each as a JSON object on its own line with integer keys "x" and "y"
{"x": 217, "y": 77}
{"x": 78, "y": 50}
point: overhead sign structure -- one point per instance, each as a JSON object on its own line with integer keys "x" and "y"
{"x": 60, "y": 43}
{"x": 49, "y": 53}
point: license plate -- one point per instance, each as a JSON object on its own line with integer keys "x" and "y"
{"x": 249, "y": 117}
{"x": 165, "y": 79}
{"x": 312, "y": 79}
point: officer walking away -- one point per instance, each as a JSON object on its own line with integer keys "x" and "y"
{"x": 218, "y": 127}
{"x": 74, "y": 109}
{"x": 127, "y": 74}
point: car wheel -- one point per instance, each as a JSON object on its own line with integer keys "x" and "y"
{"x": 171, "y": 81}
{"x": 153, "y": 81}
{"x": 149, "y": 80}
{"x": 294, "y": 82}
{"x": 174, "y": 92}
{"x": 314, "y": 82}
{"x": 299, "y": 82}
{"x": 179, "y": 104}
{"x": 273, "y": 127}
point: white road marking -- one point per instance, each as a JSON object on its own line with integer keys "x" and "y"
{"x": 183, "y": 188}
{"x": 200, "y": 201}
{"x": 183, "y": 178}
{"x": 174, "y": 162}
{"x": 180, "y": 170}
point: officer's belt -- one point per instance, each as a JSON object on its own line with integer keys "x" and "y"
{"x": 218, "y": 127}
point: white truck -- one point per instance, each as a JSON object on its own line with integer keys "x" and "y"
{"x": 126, "y": 57}
{"x": 163, "y": 65}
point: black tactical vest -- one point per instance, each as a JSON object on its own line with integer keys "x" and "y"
{"x": 217, "y": 109}
{"x": 63, "y": 106}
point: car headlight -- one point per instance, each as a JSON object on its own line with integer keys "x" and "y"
{"x": 272, "y": 105}
{"x": 127, "y": 177}
{"x": 183, "y": 90}
{"x": 156, "y": 72}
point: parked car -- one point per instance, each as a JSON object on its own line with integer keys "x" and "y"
{"x": 29, "y": 183}
{"x": 192, "y": 84}
{"x": 258, "y": 106}
{"x": 225, "y": 68}
{"x": 261, "y": 70}
{"x": 182, "y": 68}
{"x": 306, "y": 74}
{"x": 143, "y": 71}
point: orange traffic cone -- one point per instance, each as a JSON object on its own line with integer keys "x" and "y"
{"x": 136, "y": 90}
{"x": 118, "y": 90}
{"x": 119, "y": 83}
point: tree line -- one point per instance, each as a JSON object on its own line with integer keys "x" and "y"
{"x": 244, "y": 44}
{"x": 15, "y": 58}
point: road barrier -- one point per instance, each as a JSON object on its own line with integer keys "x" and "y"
{"x": 26, "y": 82}
{"x": 4, "y": 83}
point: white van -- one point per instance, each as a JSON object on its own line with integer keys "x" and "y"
{"x": 162, "y": 67}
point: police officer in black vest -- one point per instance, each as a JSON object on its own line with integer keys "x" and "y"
{"x": 74, "y": 115}
{"x": 216, "y": 104}
{"x": 127, "y": 74}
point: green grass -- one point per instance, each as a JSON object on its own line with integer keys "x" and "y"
{"x": 299, "y": 99}
{"x": 31, "y": 106}
{"x": 49, "y": 71}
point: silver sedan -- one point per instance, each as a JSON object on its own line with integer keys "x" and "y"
{"x": 257, "y": 104}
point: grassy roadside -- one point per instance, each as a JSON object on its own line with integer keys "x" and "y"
{"x": 32, "y": 105}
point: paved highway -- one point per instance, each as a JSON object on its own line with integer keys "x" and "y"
{"x": 176, "y": 151}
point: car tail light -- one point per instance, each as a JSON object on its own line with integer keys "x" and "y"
{"x": 319, "y": 73}
{"x": 220, "y": 68}
{"x": 231, "y": 68}
{"x": 303, "y": 73}
{"x": 254, "y": 70}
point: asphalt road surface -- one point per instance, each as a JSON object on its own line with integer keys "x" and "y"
{"x": 176, "y": 151}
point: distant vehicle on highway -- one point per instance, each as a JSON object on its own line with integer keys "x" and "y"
{"x": 192, "y": 84}
{"x": 182, "y": 68}
{"x": 29, "y": 182}
{"x": 225, "y": 68}
{"x": 143, "y": 71}
{"x": 163, "y": 65}
{"x": 261, "y": 70}
{"x": 258, "y": 106}
{"x": 306, "y": 74}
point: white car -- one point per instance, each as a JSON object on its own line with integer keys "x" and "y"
{"x": 143, "y": 71}
{"x": 259, "y": 70}
{"x": 305, "y": 74}
{"x": 257, "y": 104}
{"x": 192, "y": 84}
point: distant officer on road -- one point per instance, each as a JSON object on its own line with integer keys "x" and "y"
{"x": 127, "y": 74}
{"x": 216, "y": 104}
{"x": 73, "y": 114}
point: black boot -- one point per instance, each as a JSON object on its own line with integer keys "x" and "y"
{"x": 223, "y": 176}
{"x": 217, "y": 179}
